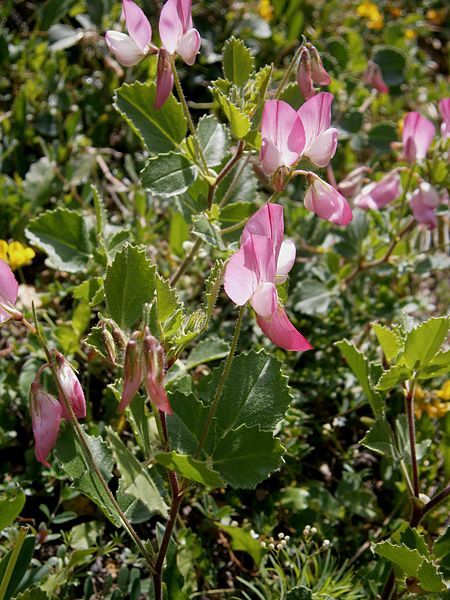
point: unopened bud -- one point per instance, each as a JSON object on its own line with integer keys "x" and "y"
{"x": 110, "y": 346}
{"x": 313, "y": 530}
{"x": 46, "y": 414}
{"x": 154, "y": 370}
{"x": 118, "y": 336}
{"x": 132, "y": 377}
{"x": 70, "y": 389}
{"x": 304, "y": 75}
{"x": 373, "y": 77}
{"x": 326, "y": 544}
{"x": 318, "y": 72}
{"x": 279, "y": 178}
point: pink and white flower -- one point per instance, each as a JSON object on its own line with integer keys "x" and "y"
{"x": 8, "y": 291}
{"x": 177, "y": 32}
{"x": 424, "y": 201}
{"x": 378, "y": 194}
{"x": 373, "y": 77}
{"x": 320, "y": 137}
{"x": 418, "y": 133}
{"x": 132, "y": 48}
{"x": 326, "y": 202}
{"x": 444, "y": 108}
{"x": 46, "y": 415}
{"x": 283, "y": 136}
{"x": 70, "y": 387}
{"x": 263, "y": 261}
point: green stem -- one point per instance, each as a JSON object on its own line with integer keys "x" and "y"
{"x": 403, "y": 199}
{"x": 12, "y": 561}
{"x": 224, "y": 172}
{"x": 410, "y": 391}
{"x": 148, "y": 554}
{"x": 186, "y": 262}
{"x": 187, "y": 114}
{"x": 288, "y": 72}
{"x": 222, "y": 381}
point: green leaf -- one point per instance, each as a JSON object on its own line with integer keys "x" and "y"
{"x": 63, "y": 235}
{"x": 392, "y": 63}
{"x": 168, "y": 175}
{"x": 243, "y": 541}
{"x": 430, "y": 578}
{"x": 38, "y": 183}
{"x": 238, "y": 62}
{"x": 380, "y": 438}
{"x": 423, "y": 342}
{"x": 408, "y": 560}
{"x": 208, "y": 231}
{"x": 415, "y": 541}
{"x": 360, "y": 367}
{"x": 214, "y": 140}
{"x": 389, "y": 340}
{"x": 381, "y": 136}
{"x": 439, "y": 365}
{"x": 12, "y": 501}
{"x": 392, "y": 377}
{"x": 299, "y": 593}
{"x": 212, "y": 288}
{"x": 256, "y": 393}
{"x": 68, "y": 450}
{"x": 239, "y": 122}
{"x": 135, "y": 479}
{"x": 236, "y": 212}
{"x": 161, "y": 130}
{"x": 247, "y": 456}
{"x": 188, "y": 467}
{"x": 32, "y": 593}
{"x": 22, "y": 563}
{"x": 53, "y": 11}
{"x": 169, "y": 309}
{"x": 212, "y": 348}
{"x": 129, "y": 284}
{"x": 258, "y": 88}
{"x": 312, "y": 297}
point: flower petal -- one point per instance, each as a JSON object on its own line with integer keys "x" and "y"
{"x": 267, "y": 221}
{"x": 170, "y": 26}
{"x": 46, "y": 421}
{"x": 137, "y": 24}
{"x": 241, "y": 278}
{"x": 419, "y": 131}
{"x": 378, "y": 195}
{"x": 281, "y": 125}
{"x": 282, "y": 333}
{"x": 189, "y": 46}
{"x": 326, "y": 202}
{"x": 286, "y": 260}
{"x": 265, "y": 300}
{"x": 8, "y": 289}
{"x": 124, "y": 48}
{"x": 164, "y": 78}
{"x": 270, "y": 157}
{"x": 444, "y": 108}
{"x": 315, "y": 115}
{"x": 323, "y": 148}
{"x": 158, "y": 395}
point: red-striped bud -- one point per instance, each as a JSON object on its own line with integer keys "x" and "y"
{"x": 154, "y": 371}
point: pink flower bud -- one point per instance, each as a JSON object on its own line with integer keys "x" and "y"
{"x": 46, "y": 414}
{"x": 164, "y": 78}
{"x": 318, "y": 72}
{"x": 378, "y": 194}
{"x": 304, "y": 74}
{"x": 444, "y": 108}
{"x": 424, "y": 201}
{"x": 326, "y": 202}
{"x": 154, "y": 371}
{"x": 132, "y": 374}
{"x": 8, "y": 292}
{"x": 418, "y": 133}
{"x": 352, "y": 184}
{"x": 374, "y": 78}
{"x": 70, "y": 387}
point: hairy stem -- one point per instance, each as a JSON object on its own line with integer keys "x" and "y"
{"x": 146, "y": 553}
{"x": 410, "y": 390}
{"x": 224, "y": 172}
{"x": 288, "y": 72}
{"x": 221, "y": 384}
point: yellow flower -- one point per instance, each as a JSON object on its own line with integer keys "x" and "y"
{"x": 16, "y": 254}
{"x": 437, "y": 17}
{"x": 444, "y": 392}
{"x": 370, "y": 11}
{"x": 410, "y": 34}
{"x": 265, "y": 9}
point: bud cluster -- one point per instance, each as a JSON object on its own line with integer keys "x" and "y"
{"x": 310, "y": 71}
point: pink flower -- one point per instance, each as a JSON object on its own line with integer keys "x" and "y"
{"x": 378, "y": 194}
{"x": 444, "y": 107}
{"x": 263, "y": 261}
{"x": 176, "y": 31}
{"x": 304, "y": 75}
{"x": 374, "y": 78}
{"x": 424, "y": 201}
{"x": 351, "y": 185}
{"x": 8, "y": 290}
{"x": 320, "y": 138}
{"x": 70, "y": 387}
{"x": 154, "y": 370}
{"x": 164, "y": 78}
{"x": 46, "y": 414}
{"x": 132, "y": 374}
{"x": 326, "y": 202}
{"x": 283, "y": 136}
{"x": 131, "y": 49}
{"x": 418, "y": 133}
